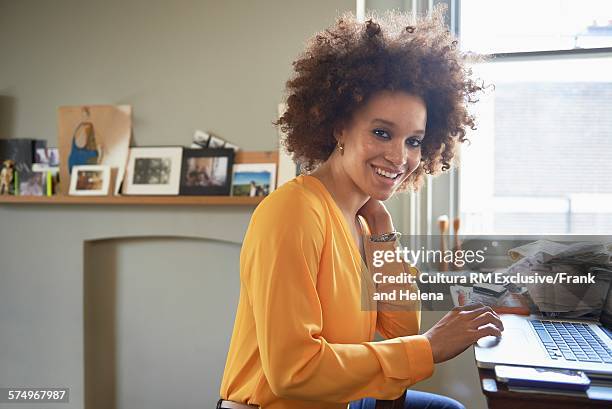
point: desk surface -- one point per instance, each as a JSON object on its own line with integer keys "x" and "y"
{"x": 499, "y": 397}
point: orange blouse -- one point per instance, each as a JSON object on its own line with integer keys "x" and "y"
{"x": 301, "y": 338}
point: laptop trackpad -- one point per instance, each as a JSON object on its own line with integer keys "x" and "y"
{"x": 510, "y": 336}
{"x": 488, "y": 341}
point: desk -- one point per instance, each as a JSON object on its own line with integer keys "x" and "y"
{"x": 499, "y": 397}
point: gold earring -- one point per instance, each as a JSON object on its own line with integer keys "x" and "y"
{"x": 341, "y": 148}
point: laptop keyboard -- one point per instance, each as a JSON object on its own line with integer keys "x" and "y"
{"x": 572, "y": 341}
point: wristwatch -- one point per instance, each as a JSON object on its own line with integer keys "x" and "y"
{"x": 391, "y": 236}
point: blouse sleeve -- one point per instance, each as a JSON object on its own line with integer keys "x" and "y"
{"x": 279, "y": 264}
{"x": 394, "y": 318}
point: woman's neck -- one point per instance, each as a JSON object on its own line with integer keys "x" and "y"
{"x": 345, "y": 192}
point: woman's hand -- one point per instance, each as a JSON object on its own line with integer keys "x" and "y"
{"x": 378, "y": 217}
{"x": 460, "y": 328}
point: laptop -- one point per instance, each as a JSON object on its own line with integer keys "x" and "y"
{"x": 549, "y": 343}
{"x": 538, "y": 341}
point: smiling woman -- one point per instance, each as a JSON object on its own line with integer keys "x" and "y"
{"x": 373, "y": 106}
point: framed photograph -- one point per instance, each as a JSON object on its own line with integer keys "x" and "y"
{"x": 33, "y": 183}
{"x": 153, "y": 171}
{"x": 90, "y": 180}
{"x": 253, "y": 179}
{"x": 207, "y": 171}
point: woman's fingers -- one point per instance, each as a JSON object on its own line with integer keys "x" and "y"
{"x": 487, "y": 317}
{"x": 486, "y": 330}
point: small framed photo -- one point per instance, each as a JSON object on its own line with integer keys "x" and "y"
{"x": 33, "y": 183}
{"x": 153, "y": 171}
{"x": 90, "y": 180}
{"x": 207, "y": 171}
{"x": 253, "y": 179}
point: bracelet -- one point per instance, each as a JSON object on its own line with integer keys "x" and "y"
{"x": 391, "y": 236}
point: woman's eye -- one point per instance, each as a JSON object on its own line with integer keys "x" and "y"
{"x": 382, "y": 133}
{"x": 414, "y": 142}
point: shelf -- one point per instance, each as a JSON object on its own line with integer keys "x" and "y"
{"x": 133, "y": 200}
{"x": 138, "y": 200}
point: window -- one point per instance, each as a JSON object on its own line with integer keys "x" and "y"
{"x": 541, "y": 160}
{"x": 495, "y": 26}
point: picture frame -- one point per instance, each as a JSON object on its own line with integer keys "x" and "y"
{"x": 90, "y": 180}
{"x": 33, "y": 183}
{"x": 206, "y": 172}
{"x": 153, "y": 171}
{"x": 253, "y": 179}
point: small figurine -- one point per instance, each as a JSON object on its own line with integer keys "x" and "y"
{"x": 6, "y": 177}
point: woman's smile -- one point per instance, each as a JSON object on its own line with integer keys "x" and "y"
{"x": 385, "y": 176}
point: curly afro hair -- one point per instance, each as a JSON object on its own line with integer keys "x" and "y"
{"x": 345, "y": 65}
